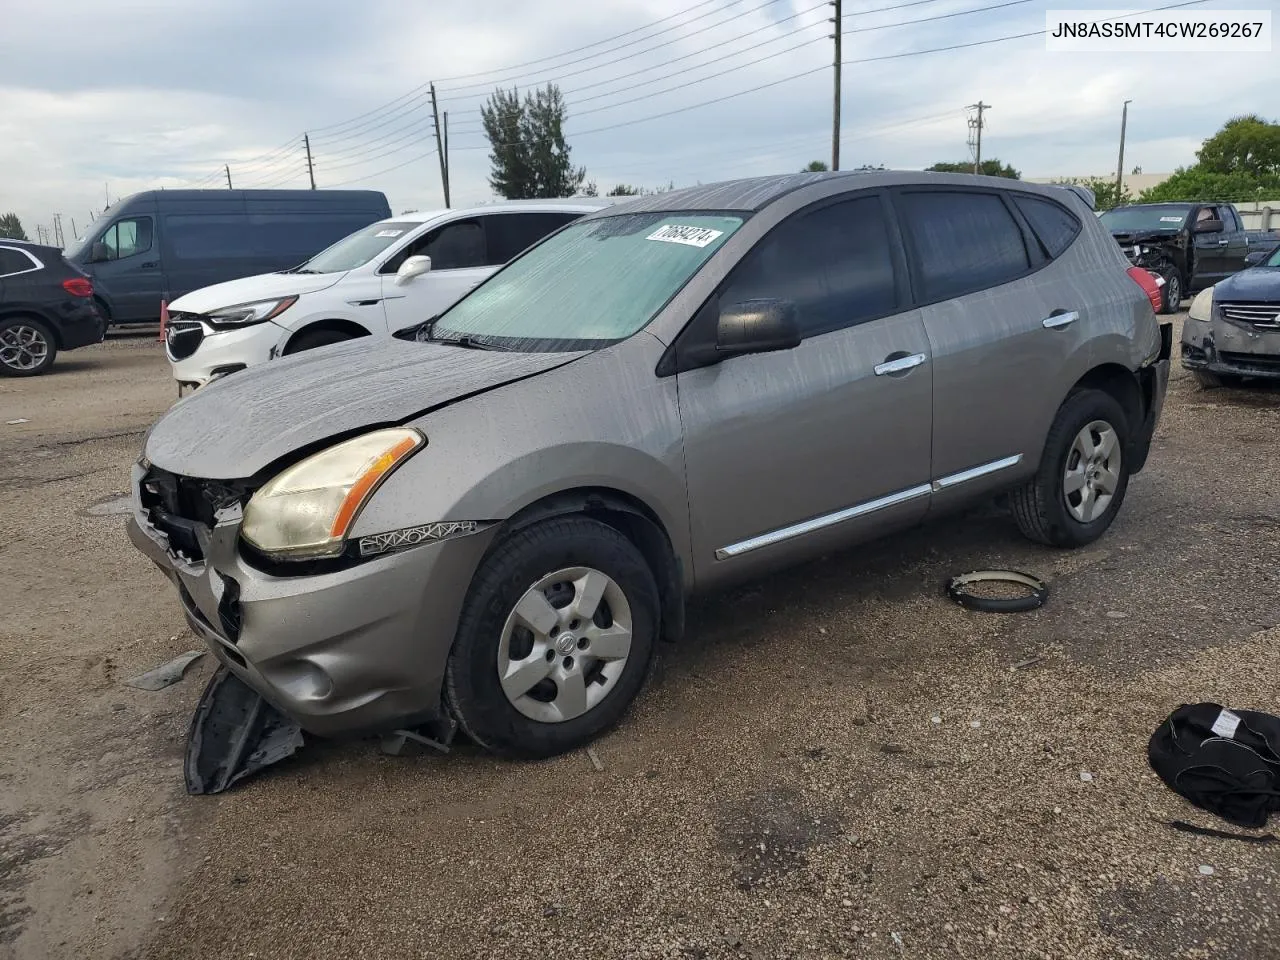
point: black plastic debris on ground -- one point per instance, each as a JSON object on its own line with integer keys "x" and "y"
{"x": 234, "y": 733}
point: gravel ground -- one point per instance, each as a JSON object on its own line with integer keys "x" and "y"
{"x": 837, "y": 763}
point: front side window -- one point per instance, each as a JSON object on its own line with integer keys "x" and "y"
{"x": 833, "y": 263}
{"x": 512, "y": 233}
{"x": 962, "y": 242}
{"x": 456, "y": 246}
{"x": 592, "y": 284}
{"x": 125, "y": 238}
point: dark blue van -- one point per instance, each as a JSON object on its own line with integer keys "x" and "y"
{"x": 161, "y": 244}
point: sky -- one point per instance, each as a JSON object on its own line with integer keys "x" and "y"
{"x": 100, "y": 100}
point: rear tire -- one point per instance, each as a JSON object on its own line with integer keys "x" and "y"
{"x": 1085, "y": 460}
{"x": 556, "y": 638}
{"x": 27, "y": 347}
{"x": 310, "y": 339}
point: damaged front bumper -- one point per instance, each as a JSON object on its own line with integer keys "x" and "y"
{"x": 1232, "y": 347}
{"x": 353, "y": 651}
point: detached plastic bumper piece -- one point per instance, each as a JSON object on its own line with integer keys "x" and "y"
{"x": 234, "y": 733}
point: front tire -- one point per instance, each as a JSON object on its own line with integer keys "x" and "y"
{"x": 27, "y": 347}
{"x": 1171, "y": 292}
{"x": 556, "y": 638}
{"x": 1083, "y": 475}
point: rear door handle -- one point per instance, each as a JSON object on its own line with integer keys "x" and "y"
{"x": 1060, "y": 318}
{"x": 900, "y": 365}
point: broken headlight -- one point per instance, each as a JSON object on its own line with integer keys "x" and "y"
{"x": 306, "y": 511}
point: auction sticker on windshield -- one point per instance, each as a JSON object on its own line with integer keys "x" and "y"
{"x": 388, "y": 233}
{"x": 690, "y": 236}
{"x": 1171, "y": 219}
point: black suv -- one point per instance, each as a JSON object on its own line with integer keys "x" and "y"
{"x": 46, "y": 305}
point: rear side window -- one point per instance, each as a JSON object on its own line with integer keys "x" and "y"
{"x": 510, "y": 233}
{"x": 296, "y": 236}
{"x": 1054, "y": 226}
{"x": 14, "y": 261}
{"x": 834, "y": 263}
{"x": 962, "y": 242}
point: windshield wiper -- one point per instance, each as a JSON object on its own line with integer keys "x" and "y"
{"x": 471, "y": 343}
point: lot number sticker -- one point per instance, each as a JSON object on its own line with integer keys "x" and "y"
{"x": 1170, "y": 219}
{"x": 388, "y": 233}
{"x": 690, "y": 236}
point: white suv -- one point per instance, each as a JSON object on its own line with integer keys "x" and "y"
{"x": 388, "y": 276}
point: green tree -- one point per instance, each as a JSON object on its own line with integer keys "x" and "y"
{"x": 11, "y": 227}
{"x": 625, "y": 190}
{"x": 1248, "y": 145}
{"x": 542, "y": 128}
{"x": 1104, "y": 192}
{"x": 511, "y": 175}
{"x": 1197, "y": 183}
{"x": 816, "y": 166}
{"x": 988, "y": 168}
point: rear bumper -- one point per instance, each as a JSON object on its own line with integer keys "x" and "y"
{"x": 79, "y": 325}
{"x": 1154, "y": 382}
{"x": 361, "y": 650}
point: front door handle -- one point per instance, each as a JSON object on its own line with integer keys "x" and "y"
{"x": 149, "y": 265}
{"x": 1223, "y": 243}
{"x": 1060, "y": 318}
{"x": 900, "y": 365}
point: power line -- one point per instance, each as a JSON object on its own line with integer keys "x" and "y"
{"x": 941, "y": 16}
{"x": 380, "y": 173}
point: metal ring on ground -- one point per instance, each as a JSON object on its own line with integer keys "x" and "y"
{"x": 957, "y": 591}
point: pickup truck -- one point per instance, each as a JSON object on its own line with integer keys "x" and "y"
{"x": 1190, "y": 245}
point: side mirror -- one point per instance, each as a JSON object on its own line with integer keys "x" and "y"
{"x": 99, "y": 252}
{"x": 1256, "y": 258}
{"x": 757, "y": 326}
{"x": 1208, "y": 226}
{"x": 412, "y": 267}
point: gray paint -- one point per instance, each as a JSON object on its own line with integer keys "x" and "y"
{"x": 792, "y": 454}
{"x": 300, "y": 400}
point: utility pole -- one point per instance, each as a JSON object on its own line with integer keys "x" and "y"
{"x": 440, "y": 150}
{"x": 74, "y": 232}
{"x": 446, "y": 158}
{"x": 975, "y": 127}
{"x": 311, "y": 170}
{"x": 227, "y": 167}
{"x": 1124, "y": 120}
{"x": 57, "y": 229}
{"x": 835, "y": 103}
{"x": 106, "y": 192}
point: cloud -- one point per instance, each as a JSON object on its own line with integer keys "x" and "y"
{"x": 142, "y": 95}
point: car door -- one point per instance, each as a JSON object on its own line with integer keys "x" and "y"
{"x": 459, "y": 260}
{"x": 793, "y": 452}
{"x": 1237, "y": 247}
{"x": 1212, "y": 250}
{"x": 1000, "y": 328}
{"x": 126, "y": 261}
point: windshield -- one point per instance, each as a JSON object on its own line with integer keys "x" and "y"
{"x": 1137, "y": 219}
{"x": 1274, "y": 259}
{"x": 357, "y": 249}
{"x": 591, "y": 284}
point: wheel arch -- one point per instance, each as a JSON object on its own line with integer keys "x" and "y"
{"x": 337, "y": 324}
{"x": 23, "y": 312}
{"x": 631, "y": 517}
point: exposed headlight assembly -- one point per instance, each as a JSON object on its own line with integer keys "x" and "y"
{"x": 244, "y": 314}
{"x": 1202, "y": 306}
{"x": 306, "y": 511}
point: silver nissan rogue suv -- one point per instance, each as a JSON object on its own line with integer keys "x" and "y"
{"x": 496, "y": 517}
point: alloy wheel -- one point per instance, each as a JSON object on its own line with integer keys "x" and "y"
{"x": 22, "y": 347}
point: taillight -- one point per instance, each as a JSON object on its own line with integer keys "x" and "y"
{"x": 78, "y": 287}
{"x": 1147, "y": 282}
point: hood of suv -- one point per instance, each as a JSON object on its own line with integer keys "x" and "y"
{"x": 265, "y": 286}
{"x": 234, "y": 427}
